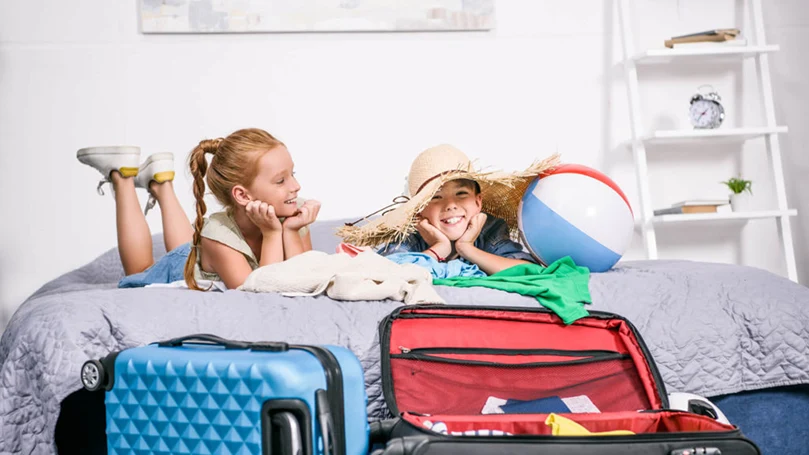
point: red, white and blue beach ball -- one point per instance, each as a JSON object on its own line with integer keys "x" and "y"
{"x": 579, "y": 212}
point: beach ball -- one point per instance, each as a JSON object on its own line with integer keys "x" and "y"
{"x": 576, "y": 211}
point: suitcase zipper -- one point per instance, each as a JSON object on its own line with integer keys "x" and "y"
{"x": 502, "y": 351}
{"x": 429, "y": 355}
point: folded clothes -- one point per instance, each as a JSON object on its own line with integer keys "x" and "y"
{"x": 441, "y": 428}
{"x": 545, "y": 405}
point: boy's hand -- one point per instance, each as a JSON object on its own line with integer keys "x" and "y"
{"x": 306, "y": 215}
{"x": 434, "y": 238}
{"x": 263, "y": 216}
{"x": 472, "y": 232}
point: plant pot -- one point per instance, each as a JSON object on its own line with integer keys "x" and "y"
{"x": 740, "y": 202}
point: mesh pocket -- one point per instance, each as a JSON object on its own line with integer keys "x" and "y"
{"x": 453, "y": 383}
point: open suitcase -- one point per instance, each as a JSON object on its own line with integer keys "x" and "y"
{"x": 203, "y": 394}
{"x": 444, "y": 366}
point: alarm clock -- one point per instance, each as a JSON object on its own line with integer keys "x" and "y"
{"x": 706, "y": 110}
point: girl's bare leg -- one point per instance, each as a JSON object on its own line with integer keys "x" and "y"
{"x": 134, "y": 238}
{"x": 177, "y": 228}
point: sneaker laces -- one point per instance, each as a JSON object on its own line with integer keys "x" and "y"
{"x": 101, "y": 184}
{"x": 149, "y": 204}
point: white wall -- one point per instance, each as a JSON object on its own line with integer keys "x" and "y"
{"x": 355, "y": 108}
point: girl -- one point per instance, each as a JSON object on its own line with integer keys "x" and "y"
{"x": 250, "y": 174}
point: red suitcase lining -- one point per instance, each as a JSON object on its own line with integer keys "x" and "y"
{"x": 445, "y": 364}
{"x": 521, "y": 356}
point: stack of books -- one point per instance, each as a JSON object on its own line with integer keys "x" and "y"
{"x": 693, "y": 206}
{"x": 718, "y": 36}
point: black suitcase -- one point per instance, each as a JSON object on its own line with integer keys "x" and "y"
{"x": 440, "y": 365}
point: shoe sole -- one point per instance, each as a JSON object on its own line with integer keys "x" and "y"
{"x": 162, "y": 165}
{"x": 125, "y": 171}
{"x": 111, "y": 150}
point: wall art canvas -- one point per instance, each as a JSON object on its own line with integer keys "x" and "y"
{"x": 257, "y": 16}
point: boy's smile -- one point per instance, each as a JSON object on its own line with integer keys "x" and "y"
{"x": 452, "y": 207}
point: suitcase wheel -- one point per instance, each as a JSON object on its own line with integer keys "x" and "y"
{"x": 93, "y": 375}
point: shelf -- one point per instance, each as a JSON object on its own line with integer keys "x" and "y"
{"x": 723, "y": 52}
{"x": 718, "y": 135}
{"x": 727, "y": 216}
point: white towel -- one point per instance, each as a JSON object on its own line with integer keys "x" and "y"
{"x": 366, "y": 276}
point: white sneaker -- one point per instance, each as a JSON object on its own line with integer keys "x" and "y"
{"x": 159, "y": 167}
{"x": 123, "y": 159}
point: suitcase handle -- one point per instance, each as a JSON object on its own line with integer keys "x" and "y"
{"x": 325, "y": 420}
{"x": 228, "y": 344}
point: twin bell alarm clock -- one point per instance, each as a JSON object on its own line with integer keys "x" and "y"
{"x": 706, "y": 110}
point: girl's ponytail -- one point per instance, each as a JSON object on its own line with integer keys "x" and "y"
{"x": 199, "y": 167}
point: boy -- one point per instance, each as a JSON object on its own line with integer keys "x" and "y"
{"x": 453, "y": 212}
{"x": 452, "y": 226}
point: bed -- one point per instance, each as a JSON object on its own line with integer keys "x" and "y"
{"x": 738, "y": 334}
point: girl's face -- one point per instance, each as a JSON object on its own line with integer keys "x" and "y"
{"x": 275, "y": 182}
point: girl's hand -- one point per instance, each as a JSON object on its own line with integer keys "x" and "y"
{"x": 307, "y": 214}
{"x": 434, "y": 238}
{"x": 472, "y": 230}
{"x": 263, "y": 216}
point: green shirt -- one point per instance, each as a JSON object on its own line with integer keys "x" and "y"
{"x": 562, "y": 287}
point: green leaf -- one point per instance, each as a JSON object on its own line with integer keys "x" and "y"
{"x": 739, "y": 185}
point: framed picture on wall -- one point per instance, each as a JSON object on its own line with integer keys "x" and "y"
{"x": 260, "y": 16}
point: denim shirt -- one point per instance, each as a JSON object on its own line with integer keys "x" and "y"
{"x": 493, "y": 238}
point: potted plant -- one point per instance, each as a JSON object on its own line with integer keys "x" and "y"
{"x": 739, "y": 201}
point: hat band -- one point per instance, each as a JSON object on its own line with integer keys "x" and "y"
{"x": 435, "y": 177}
{"x": 398, "y": 200}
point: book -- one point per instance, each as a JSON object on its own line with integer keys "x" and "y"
{"x": 686, "y": 209}
{"x": 702, "y": 44}
{"x": 697, "y": 39}
{"x": 718, "y": 35}
{"x": 701, "y": 202}
{"x": 718, "y": 31}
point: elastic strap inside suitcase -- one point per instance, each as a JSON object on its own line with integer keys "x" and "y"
{"x": 535, "y": 424}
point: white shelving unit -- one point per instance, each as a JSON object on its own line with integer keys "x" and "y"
{"x": 758, "y": 50}
{"x": 654, "y": 56}
{"x": 718, "y": 135}
{"x": 729, "y": 216}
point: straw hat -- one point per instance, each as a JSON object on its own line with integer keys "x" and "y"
{"x": 433, "y": 167}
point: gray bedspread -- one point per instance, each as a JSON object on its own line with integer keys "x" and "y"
{"x": 713, "y": 329}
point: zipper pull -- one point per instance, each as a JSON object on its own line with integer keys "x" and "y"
{"x": 404, "y": 350}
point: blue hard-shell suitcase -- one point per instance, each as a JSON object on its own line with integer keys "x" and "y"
{"x": 203, "y": 394}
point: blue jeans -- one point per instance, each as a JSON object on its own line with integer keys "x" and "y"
{"x": 167, "y": 269}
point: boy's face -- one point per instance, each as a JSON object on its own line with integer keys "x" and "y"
{"x": 452, "y": 207}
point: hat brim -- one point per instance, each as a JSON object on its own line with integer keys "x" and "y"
{"x": 501, "y": 193}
